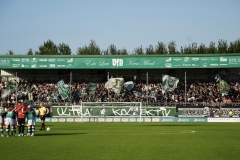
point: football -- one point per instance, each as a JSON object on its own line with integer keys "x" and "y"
{"x": 48, "y": 128}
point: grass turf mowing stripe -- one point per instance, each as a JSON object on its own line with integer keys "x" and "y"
{"x": 126, "y": 141}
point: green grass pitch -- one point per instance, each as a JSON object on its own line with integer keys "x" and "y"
{"x": 127, "y": 141}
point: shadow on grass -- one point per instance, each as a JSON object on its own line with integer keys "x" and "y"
{"x": 59, "y": 134}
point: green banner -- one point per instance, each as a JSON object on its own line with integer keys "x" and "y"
{"x": 121, "y": 62}
{"x": 75, "y": 111}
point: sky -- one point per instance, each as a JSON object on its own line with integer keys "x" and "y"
{"x": 129, "y": 24}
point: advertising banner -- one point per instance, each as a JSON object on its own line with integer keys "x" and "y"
{"x": 121, "y": 63}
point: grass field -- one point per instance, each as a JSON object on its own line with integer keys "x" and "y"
{"x": 127, "y": 141}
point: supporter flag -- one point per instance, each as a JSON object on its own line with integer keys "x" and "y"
{"x": 169, "y": 83}
{"x": 10, "y": 86}
{"x": 129, "y": 85}
{"x": 92, "y": 88}
{"x": 223, "y": 86}
{"x": 137, "y": 94}
{"x": 63, "y": 89}
{"x": 221, "y": 74}
{"x": 115, "y": 83}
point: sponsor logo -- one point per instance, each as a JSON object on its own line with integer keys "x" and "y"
{"x": 85, "y": 119}
{"x": 194, "y": 65}
{"x": 204, "y": 59}
{"x": 42, "y": 60}
{"x": 168, "y": 65}
{"x": 60, "y": 65}
{"x": 234, "y": 60}
{"x": 51, "y": 60}
{"x": 214, "y": 59}
{"x": 117, "y": 62}
{"x": 214, "y": 64}
{"x": 100, "y": 119}
{"x": 147, "y": 119}
{"x": 52, "y": 65}
{"x": 223, "y": 64}
{"x": 109, "y": 119}
{"x": 195, "y": 59}
{"x": 155, "y": 119}
{"x": 43, "y": 65}
{"x": 186, "y": 64}
{"x": 54, "y": 119}
{"x": 70, "y": 120}
{"x": 124, "y": 119}
{"x": 61, "y": 60}
{"x": 199, "y": 120}
{"x": 183, "y": 120}
{"x": 167, "y": 120}
{"x": 132, "y": 119}
{"x": 25, "y": 60}
{"x": 169, "y": 59}
{"x": 186, "y": 59}
{"x": 204, "y": 64}
{"x": 34, "y": 66}
{"x": 70, "y": 60}
{"x": 61, "y": 119}
{"x": 34, "y": 60}
{"x": 16, "y": 60}
{"x": 222, "y": 59}
{"x": 78, "y": 119}
{"x": 16, "y": 65}
{"x": 116, "y": 119}
{"x": 177, "y": 59}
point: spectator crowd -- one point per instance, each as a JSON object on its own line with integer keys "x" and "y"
{"x": 197, "y": 92}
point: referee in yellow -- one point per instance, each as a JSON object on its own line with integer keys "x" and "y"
{"x": 42, "y": 113}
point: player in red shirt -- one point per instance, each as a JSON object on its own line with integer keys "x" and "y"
{"x": 21, "y": 110}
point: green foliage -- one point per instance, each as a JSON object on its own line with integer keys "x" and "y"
{"x": 30, "y": 52}
{"x": 10, "y": 52}
{"x": 48, "y": 48}
{"x": 139, "y": 51}
{"x": 64, "y": 49}
{"x": 91, "y": 49}
{"x": 161, "y": 48}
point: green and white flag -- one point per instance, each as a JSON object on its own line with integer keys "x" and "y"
{"x": 115, "y": 83}
{"x": 63, "y": 89}
{"x": 223, "y": 86}
{"x": 169, "y": 83}
{"x": 10, "y": 87}
{"x": 129, "y": 85}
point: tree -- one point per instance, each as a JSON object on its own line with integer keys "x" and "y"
{"x": 150, "y": 50}
{"x": 10, "y": 52}
{"x": 122, "y": 51}
{"x": 112, "y": 49}
{"x": 194, "y": 48}
{"x": 48, "y": 48}
{"x": 91, "y": 49}
{"x": 222, "y": 46}
{"x": 212, "y": 48}
{"x": 139, "y": 50}
{"x": 202, "y": 49}
{"x": 30, "y": 52}
{"x": 172, "y": 47}
{"x": 161, "y": 48}
{"x": 64, "y": 49}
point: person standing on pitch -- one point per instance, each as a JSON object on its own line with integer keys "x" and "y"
{"x": 11, "y": 121}
{"x": 2, "y": 114}
{"x": 42, "y": 111}
{"x": 31, "y": 120}
{"x": 21, "y": 112}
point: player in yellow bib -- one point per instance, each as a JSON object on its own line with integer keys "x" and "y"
{"x": 42, "y": 113}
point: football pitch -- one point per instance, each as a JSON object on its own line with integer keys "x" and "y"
{"x": 127, "y": 141}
